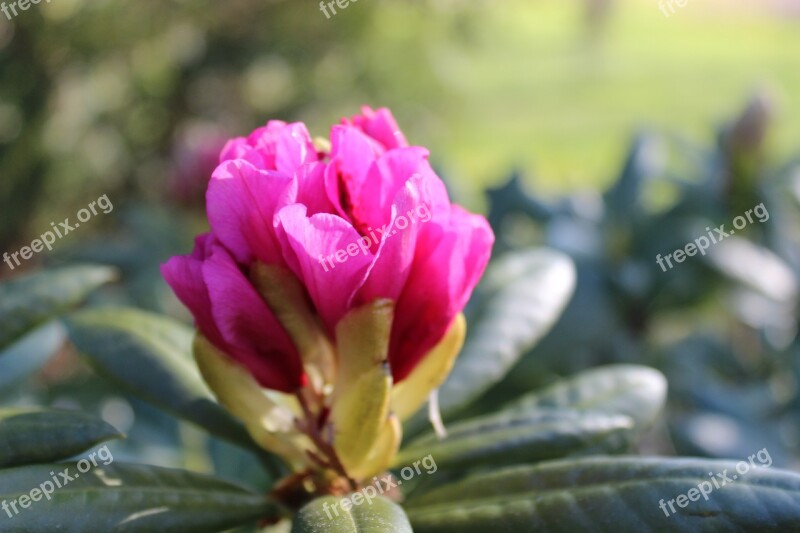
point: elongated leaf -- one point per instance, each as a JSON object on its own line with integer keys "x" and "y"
{"x": 636, "y": 391}
{"x": 32, "y": 300}
{"x": 644, "y": 161}
{"x": 150, "y": 356}
{"x": 370, "y": 515}
{"x": 523, "y": 295}
{"x": 614, "y": 495}
{"x": 523, "y": 437}
{"x": 29, "y": 353}
{"x": 120, "y": 497}
{"x": 44, "y": 435}
{"x": 754, "y": 266}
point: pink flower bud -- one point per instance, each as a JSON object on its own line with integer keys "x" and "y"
{"x": 361, "y": 218}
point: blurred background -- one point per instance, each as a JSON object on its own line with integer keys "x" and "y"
{"x": 613, "y": 130}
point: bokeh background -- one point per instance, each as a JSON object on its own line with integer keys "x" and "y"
{"x": 602, "y": 128}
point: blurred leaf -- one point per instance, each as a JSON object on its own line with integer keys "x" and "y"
{"x": 522, "y": 295}
{"x": 611, "y": 494}
{"x": 131, "y": 498}
{"x": 30, "y": 353}
{"x": 709, "y": 434}
{"x": 644, "y": 161}
{"x": 636, "y": 391}
{"x": 44, "y": 435}
{"x": 150, "y": 356}
{"x": 32, "y": 300}
{"x": 522, "y": 437}
{"x": 509, "y": 199}
{"x": 754, "y": 266}
{"x": 326, "y": 515}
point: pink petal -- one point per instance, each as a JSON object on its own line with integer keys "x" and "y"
{"x": 260, "y": 148}
{"x": 241, "y": 203}
{"x": 185, "y": 276}
{"x": 311, "y": 188}
{"x": 294, "y": 148}
{"x": 386, "y": 177}
{"x": 252, "y": 334}
{"x": 310, "y": 248}
{"x": 352, "y": 154}
{"x": 362, "y": 182}
{"x": 239, "y": 148}
{"x": 263, "y": 145}
{"x": 409, "y": 212}
{"x": 448, "y": 264}
{"x": 265, "y": 137}
{"x": 381, "y": 126}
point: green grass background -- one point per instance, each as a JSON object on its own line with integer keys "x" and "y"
{"x": 526, "y": 83}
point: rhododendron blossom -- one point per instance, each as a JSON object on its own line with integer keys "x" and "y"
{"x": 327, "y": 359}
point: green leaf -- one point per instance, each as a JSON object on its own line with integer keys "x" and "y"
{"x": 32, "y": 300}
{"x": 636, "y": 391}
{"x": 150, "y": 356}
{"x": 645, "y": 160}
{"x": 370, "y": 515}
{"x": 522, "y": 437}
{"x": 522, "y": 296}
{"x": 29, "y": 353}
{"x": 44, "y": 435}
{"x": 755, "y": 266}
{"x": 613, "y": 495}
{"x": 130, "y": 498}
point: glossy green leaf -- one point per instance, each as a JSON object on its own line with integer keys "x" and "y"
{"x": 523, "y": 437}
{"x": 32, "y": 300}
{"x": 150, "y": 356}
{"x": 44, "y": 435}
{"x": 636, "y": 391}
{"x": 373, "y": 514}
{"x": 613, "y": 495}
{"x": 522, "y": 296}
{"x": 120, "y": 497}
